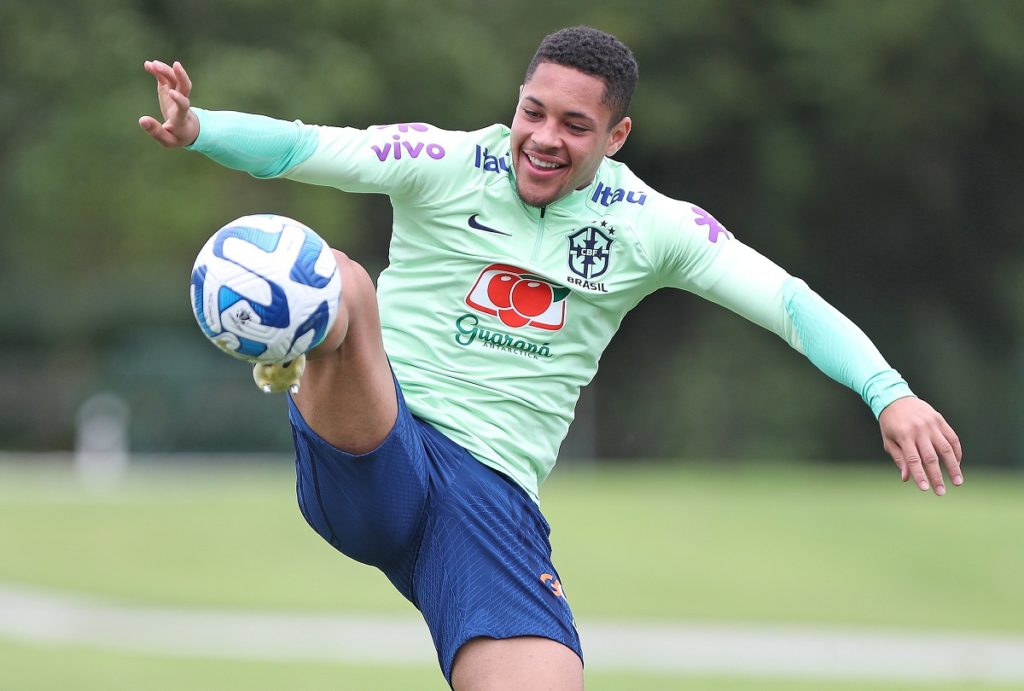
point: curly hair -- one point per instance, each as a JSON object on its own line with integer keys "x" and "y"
{"x": 596, "y": 53}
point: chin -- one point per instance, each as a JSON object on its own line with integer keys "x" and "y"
{"x": 537, "y": 200}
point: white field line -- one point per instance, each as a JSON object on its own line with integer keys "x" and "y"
{"x": 713, "y": 649}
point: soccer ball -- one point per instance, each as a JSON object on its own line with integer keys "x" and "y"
{"x": 265, "y": 288}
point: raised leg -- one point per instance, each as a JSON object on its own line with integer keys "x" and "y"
{"x": 347, "y": 394}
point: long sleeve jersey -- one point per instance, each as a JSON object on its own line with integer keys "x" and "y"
{"x": 495, "y": 313}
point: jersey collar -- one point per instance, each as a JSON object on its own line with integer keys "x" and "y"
{"x": 572, "y": 204}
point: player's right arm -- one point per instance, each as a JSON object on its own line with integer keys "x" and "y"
{"x": 409, "y": 161}
{"x": 255, "y": 144}
{"x": 180, "y": 126}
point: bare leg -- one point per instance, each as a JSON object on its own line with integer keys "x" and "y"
{"x": 513, "y": 664}
{"x": 347, "y": 394}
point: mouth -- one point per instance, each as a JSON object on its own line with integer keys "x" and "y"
{"x": 542, "y": 164}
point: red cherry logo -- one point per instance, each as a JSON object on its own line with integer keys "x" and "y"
{"x": 512, "y": 318}
{"x": 531, "y": 298}
{"x": 499, "y": 290}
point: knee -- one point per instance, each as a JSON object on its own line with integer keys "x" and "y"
{"x": 358, "y": 292}
{"x": 350, "y": 269}
{"x": 358, "y": 297}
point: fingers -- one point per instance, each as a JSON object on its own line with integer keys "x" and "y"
{"x": 179, "y": 112}
{"x": 171, "y": 82}
{"x": 156, "y": 130}
{"x": 932, "y": 468}
{"x": 897, "y": 456}
{"x": 174, "y": 75}
{"x": 173, "y": 89}
{"x": 951, "y": 453}
{"x": 923, "y": 459}
{"x": 163, "y": 72}
{"x": 921, "y": 443}
{"x": 911, "y": 465}
{"x": 184, "y": 83}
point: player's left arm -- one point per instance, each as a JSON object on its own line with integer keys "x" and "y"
{"x": 699, "y": 255}
{"x": 914, "y": 434}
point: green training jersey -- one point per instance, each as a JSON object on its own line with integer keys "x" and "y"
{"x": 495, "y": 313}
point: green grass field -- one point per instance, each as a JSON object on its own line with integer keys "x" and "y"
{"x": 697, "y": 542}
{"x": 33, "y": 668}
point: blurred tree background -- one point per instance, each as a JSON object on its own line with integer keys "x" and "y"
{"x": 874, "y": 148}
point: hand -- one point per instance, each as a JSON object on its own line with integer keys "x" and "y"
{"x": 918, "y": 438}
{"x": 180, "y": 126}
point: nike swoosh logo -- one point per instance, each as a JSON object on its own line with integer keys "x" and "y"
{"x": 473, "y": 223}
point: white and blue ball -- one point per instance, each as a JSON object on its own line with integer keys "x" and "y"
{"x": 265, "y": 288}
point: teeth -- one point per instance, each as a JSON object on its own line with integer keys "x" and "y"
{"x": 542, "y": 164}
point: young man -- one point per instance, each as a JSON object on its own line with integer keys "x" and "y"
{"x": 515, "y": 254}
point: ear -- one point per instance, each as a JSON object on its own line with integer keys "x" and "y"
{"x": 618, "y": 136}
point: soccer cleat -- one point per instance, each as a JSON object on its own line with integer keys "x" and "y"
{"x": 279, "y": 377}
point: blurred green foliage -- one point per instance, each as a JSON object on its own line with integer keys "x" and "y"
{"x": 873, "y": 148}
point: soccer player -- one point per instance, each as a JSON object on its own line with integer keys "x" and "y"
{"x": 429, "y": 417}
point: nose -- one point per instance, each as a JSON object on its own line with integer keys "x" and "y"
{"x": 545, "y": 136}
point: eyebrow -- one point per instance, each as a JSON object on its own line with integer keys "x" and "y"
{"x": 571, "y": 113}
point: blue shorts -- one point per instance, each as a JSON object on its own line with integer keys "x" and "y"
{"x": 466, "y": 545}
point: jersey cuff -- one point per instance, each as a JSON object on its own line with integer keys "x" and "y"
{"x": 884, "y": 388}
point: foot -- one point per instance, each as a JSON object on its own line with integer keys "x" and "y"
{"x": 279, "y": 377}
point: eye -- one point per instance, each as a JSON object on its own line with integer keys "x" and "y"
{"x": 532, "y": 114}
{"x": 577, "y": 128}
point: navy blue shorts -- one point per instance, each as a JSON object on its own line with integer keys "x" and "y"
{"x": 465, "y": 544}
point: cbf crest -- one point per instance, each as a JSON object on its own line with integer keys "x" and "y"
{"x": 590, "y": 250}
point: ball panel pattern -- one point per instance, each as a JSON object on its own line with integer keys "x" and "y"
{"x": 265, "y": 288}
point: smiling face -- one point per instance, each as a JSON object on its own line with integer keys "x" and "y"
{"x": 561, "y": 132}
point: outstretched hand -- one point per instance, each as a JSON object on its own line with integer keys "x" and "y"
{"x": 921, "y": 442}
{"x": 180, "y": 126}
